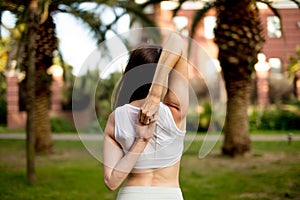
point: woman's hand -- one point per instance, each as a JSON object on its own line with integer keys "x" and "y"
{"x": 145, "y": 132}
{"x": 149, "y": 111}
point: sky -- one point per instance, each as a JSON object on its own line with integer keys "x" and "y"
{"x": 75, "y": 41}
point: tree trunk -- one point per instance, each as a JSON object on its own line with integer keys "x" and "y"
{"x": 43, "y": 138}
{"x": 237, "y": 141}
{"x": 46, "y": 44}
{"x": 239, "y": 37}
{"x": 32, "y": 26}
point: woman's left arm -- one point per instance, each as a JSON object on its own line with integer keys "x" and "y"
{"x": 117, "y": 166}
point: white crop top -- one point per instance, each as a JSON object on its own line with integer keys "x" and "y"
{"x": 164, "y": 148}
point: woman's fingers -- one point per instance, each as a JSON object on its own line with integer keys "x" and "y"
{"x": 146, "y": 116}
{"x": 148, "y": 111}
{"x": 143, "y": 118}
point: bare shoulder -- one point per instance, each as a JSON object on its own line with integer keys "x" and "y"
{"x": 110, "y": 125}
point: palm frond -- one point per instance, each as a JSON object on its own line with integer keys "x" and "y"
{"x": 175, "y": 11}
{"x": 44, "y": 9}
{"x": 137, "y": 14}
{"x": 270, "y": 6}
{"x": 150, "y": 2}
{"x": 137, "y": 10}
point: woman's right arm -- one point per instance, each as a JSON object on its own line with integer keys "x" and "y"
{"x": 172, "y": 67}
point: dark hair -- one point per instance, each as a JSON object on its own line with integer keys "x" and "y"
{"x": 138, "y": 75}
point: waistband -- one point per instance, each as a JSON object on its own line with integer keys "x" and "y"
{"x": 149, "y": 193}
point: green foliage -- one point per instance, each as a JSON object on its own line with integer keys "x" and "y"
{"x": 294, "y": 63}
{"x": 275, "y": 119}
{"x": 203, "y": 115}
{"x": 61, "y": 125}
{"x": 84, "y": 88}
{"x": 4, "y": 48}
{"x": 4, "y": 43}
{"x": 3, "y": 109}
{"x": 104, "y": 95}
{"x": 280, "y": 120}
{"x": 254, "y": 118}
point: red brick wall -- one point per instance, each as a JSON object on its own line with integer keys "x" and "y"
{"x": 287, "y": 43}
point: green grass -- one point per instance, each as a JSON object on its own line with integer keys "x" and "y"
{"x": 274, "y": 131}
{"x": 4, "y": 129}
{"x": 272, "y": 171}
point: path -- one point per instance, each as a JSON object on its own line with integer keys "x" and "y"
{"x": 254, "y": 137}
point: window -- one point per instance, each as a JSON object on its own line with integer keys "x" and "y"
{"x": 209, "y": 25}
{"x": 181, "y": 23}
{"x": 274, "y": 27}
{"x": 276, "y": 66}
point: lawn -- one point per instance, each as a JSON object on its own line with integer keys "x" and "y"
{"x": 271, "y": 171}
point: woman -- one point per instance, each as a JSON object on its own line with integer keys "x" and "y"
{"x": 144, "y": 137}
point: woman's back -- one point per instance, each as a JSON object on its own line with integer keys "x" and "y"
{"x": 165, "y": 147}
{"x": 159, "y": 164}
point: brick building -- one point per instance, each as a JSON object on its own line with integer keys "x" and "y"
{"x": 280, "y": 42}
{"x": 282, "y": 36}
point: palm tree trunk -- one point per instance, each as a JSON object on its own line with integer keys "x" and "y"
{"x": 46, "y": 44}
{"x": 237, "y": 141}
{"x": 239, "y": 37}
{"x": 32, "y": 26}
{"x": 43, "y": 139}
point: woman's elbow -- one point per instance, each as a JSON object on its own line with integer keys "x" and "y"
{"x": 110, "y": 185}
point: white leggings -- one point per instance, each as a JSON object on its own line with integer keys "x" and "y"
{"x": 149, "y": 193}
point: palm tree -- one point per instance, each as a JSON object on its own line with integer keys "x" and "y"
{"x": 239, "y": 41}
{"x": 47, "y": 43}
{"x": 30, "y": 46}
{"x": 239, "y": 37}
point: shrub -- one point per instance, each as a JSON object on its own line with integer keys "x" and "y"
{"x": 276, "y": 119}
{"x": 61, "y": 125}
{"x": 254, "y": 119}
{"x": 199, "y": 119}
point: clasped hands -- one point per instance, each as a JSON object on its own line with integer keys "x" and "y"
{"x": 147, "y": 119}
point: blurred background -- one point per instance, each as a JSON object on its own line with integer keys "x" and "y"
{"x": 254, "y": 46}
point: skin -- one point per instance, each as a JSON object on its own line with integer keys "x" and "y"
{"x": 171, "y": 69}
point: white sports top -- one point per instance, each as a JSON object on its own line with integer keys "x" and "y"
{"x": 164, "y": 148}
